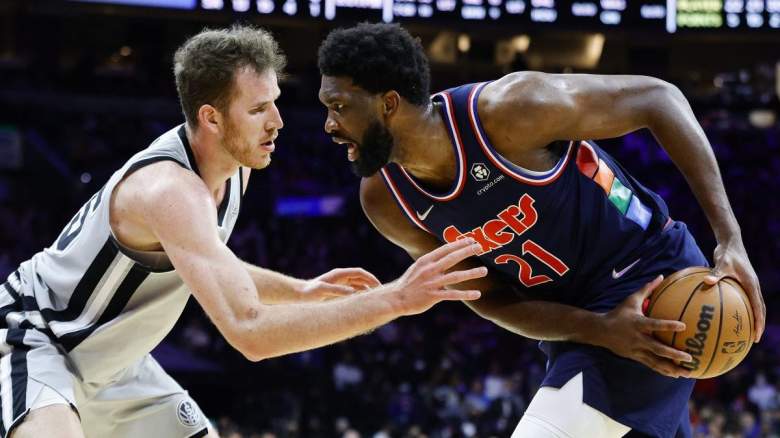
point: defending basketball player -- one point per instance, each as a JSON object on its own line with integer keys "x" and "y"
{"x": 573, "y": 242}
{"x": 80, "y": 318}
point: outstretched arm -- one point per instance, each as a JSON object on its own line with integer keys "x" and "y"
{"x": 178, "y": 209}
{"x": 574, "y": 106}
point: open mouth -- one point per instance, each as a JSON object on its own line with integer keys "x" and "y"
{"x": 353, "y": 152}
{"x": 268, "y": 146}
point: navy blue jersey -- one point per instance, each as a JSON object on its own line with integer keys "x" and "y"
{"x": 584, "y": 233}
{"x": 553, "y": 233}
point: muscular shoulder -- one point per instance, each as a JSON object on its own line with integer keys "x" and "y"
{"x": 164, "y": 183}
{"x": 524, "y": 91}
{"x": 155, "y": 195}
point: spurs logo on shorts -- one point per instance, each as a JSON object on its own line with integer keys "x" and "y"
{"x": 188, "y": 415}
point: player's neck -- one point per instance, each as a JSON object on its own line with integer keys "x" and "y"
{"x": 214, "y": 164}
{"x": 423, "y": 146}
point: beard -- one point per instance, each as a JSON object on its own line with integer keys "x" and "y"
{"x": 374, "y": 150}
{"x": 240, "y": 150}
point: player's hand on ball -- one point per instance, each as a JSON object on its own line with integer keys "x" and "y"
{"x": 731, "y": 260}
{"x": 338, "y": 283}
{"x": 424, "y": 283}
{"x": 629, "y": 333}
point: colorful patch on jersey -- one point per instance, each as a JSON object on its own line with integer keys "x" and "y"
{"x": 618, "y": 194}
{"x": 604, "y": 177}
{"x": 587, "y": 161}
{"x": 638, "y": 213}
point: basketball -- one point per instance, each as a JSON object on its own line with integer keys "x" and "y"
{"x": 718, "y": 320}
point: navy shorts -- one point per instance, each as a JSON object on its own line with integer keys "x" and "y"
{"x": 628, "y": 391}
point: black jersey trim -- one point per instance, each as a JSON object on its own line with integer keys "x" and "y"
{"x": 182, "y": 132}
{"x": 86, "y": 286}
{"x": 118, "y": 301}
{"x": 225, "y": 202}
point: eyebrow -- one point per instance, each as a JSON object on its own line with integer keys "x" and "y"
{"x": 329, "y": 96}
{"x": 266, "y": 102}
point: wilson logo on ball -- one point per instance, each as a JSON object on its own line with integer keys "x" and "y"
{"x": 696, "y": 343}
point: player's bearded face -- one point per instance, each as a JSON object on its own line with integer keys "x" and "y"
{"x": 241, "y": 148}
{"x": 375, "y": 149}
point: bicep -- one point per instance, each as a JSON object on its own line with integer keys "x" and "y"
{"x": 577, "y": 106}
{"x": 184, "y": 220}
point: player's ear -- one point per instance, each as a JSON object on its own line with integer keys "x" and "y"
{"x": 391, "y": 100}
{"x": 209, "y": 118}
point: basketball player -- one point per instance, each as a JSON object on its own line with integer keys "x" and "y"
{"x": 574, "y": 243}
{"x": 80, "y": 318}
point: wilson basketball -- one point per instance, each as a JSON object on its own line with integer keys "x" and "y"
{"x": 718, "y": 320}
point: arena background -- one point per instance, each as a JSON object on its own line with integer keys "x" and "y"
{"x": 83, "y": 85}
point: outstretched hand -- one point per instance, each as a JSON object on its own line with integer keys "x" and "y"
{"x": 425, "y": 282}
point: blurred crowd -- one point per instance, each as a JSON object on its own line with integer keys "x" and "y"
{"x": 447, "y": 373}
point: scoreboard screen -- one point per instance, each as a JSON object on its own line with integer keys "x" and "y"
{"x": 661, "y": 15}
{"x": 724, "y": 14}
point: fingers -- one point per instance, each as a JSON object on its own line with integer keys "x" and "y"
{"x": 661, "y": 350}
{"x": 753, "y": 291}
{"x": 648, "y": 289}
{"x": 360, "y": 285}
{"x": 458, "y": 295}
{"x": 759, "y": 311}
{"x": 443, "y": 250}
{"x": 453, "y": 258}
{"x": 461, "y": 276}
{"x": 649, "y": 325}
{"x": 354, "y": 277}
{"x": 663, "y": 366}
{"x": 713, "y": 278}
{"x": 361, "y": 276}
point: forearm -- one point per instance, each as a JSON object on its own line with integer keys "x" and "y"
{"x": 274, "y": 287}
{"x": 543, "y": 320}
{"x": 675, "y": 127}
{"x": 291, "y": 328}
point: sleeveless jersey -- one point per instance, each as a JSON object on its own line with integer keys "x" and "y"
{"x": 554, "y": 234}
{"x": 104, "y": 304}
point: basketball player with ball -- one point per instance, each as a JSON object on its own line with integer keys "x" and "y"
{"x": 574, "y": 244}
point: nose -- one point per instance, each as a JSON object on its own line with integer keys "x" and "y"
{"x": 330, "y": 125}
{"x": 275, "y": 121}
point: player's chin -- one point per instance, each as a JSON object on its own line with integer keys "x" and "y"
{"x": 260, "y": 162}
{"x": 362, "y": 170}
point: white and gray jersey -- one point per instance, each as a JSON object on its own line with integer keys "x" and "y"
{"x": 104, "y": 304}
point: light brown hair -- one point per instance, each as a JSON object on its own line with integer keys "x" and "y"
{"x": 205, "y": 66}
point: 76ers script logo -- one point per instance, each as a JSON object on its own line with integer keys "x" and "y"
{"x": 512, "y": 222}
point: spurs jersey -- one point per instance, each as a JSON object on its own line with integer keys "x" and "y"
{"x": 106, "y": 305}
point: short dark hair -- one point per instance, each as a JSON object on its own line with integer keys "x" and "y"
{"x": 206, "y": 64}
{"x": 378, "y": 57}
